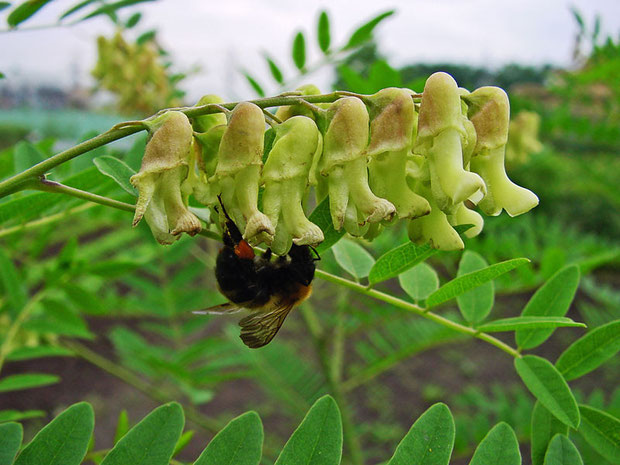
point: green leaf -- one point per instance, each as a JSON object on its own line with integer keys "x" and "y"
{"x": 476, "y": 304}
{"x": 353, "y": 258}
{"x": 2, "y": 75}
{"x": 499, "y": 447}
{"x": 419, "y": 282}
{"x": 323, "y": 219}
{"x": 472, "y": 280}
{"x": 76, "y": 8}
{"x": 299, "y": 50}
{"x": 10, "y": 282}
{"x": 544, "y": 427}
{"x": 117, "y": 170}
{"x": 590, "y": 351}
{"x": 28, "y": 353}
{"x": 26, "y": 381}
{"x": 60, "y": 319}
{"x": 122, "y": 426}
{"x": 601, "y": 431}
{"x": 552, "y": 299}
{"x": 63, "y": 441}
{"x": 364, "y": 32}
{"x": 254, "y": 83}
{"x": 275, "y": 71}
{"x": 16, "y": 415}
{"x": 323, "y": 32}
{"x": 146, "y": 37}
{"x": 4, "y": 5}
{"x": 241, "y": 441}
{"x": 318, "y": 439}
{"x": 152, "y": 441}
{"x": 10, "y": 439}
{"x": 133, "y": 20}
{"x": 527, "y": 322}
{"x": 429, "y": 441}
{"x": 399, "y": 259}
{"x": 111, "y": 8}
{"x": 24, "y": 11}
{"x": 548, "y": 386}
{"x": 562, "y": 451}
{"x": 183, "y": 441}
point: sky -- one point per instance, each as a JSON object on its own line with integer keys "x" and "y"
{"x": 225, "y": 36}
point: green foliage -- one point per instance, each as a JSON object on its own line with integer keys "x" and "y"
{"x": 419, "y": 282}
{"x": 353, "y": 258}
{"x": 601, "y": 431}
{"x": 318, "y": 439}
{"x": 589, "y": 352}
{"x": 548, "y": 386}
{"x": 241, "y": 441}
{"x": 10, "y": 441}
{"x": 499, "y": 447}
{"x": 476, "y": 304}
{"x": 63, "y": 441}
{"x": 429, "y": 441}
{"x": 545, "y": 426}
{"x": 562, "y": 451}
{"x": 552, "y": 299}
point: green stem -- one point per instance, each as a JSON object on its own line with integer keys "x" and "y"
{"x": 332, "y": 377}
{"x": 45, "y": 220}
{"x": 130, "y": 378}
{"x": 387, "y": 298}
{"x": 56, "y": 187}
{"x": 25, "y": 312}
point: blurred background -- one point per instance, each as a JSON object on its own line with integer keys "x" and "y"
{"x": 114, "y": 325}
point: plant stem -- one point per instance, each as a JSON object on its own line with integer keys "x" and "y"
{"x": 387, "y": 298}
{"x": 17, "y": 323}
{"x": 45, "y": 220}
{"x": 56, "y": 187}
{"x": 130, "y": 378}
{"x": 9, "y": 185}
{"x": 332, "y": 377}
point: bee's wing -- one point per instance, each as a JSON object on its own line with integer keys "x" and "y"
{"x": 226, "y": 308}
{"x": 259, "y": 328}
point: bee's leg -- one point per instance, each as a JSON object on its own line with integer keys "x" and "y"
{"x": 232, "y": 231}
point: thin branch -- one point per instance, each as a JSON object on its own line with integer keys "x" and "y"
{"x": 45, "y": 220}
{"x": 387, "y": 298}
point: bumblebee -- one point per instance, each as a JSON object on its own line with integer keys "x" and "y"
{"x": 268, "y": 287}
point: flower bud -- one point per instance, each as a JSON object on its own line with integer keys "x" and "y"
{"x": 441, "y": 136}
{"x": 164, "y": 167}
{"x": 285, "y": 176}
{"x": 460, "y": 214}
{"x": 344, "y": 164}
{"x": 391, "y": 129}
{"x": 238, "y": 169}
{"x": 288, "y": 111}
{"x": 489, "y": 111}
{"x": 203, "y": 123}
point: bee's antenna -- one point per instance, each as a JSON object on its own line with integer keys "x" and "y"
{"x": 318, "y": 257}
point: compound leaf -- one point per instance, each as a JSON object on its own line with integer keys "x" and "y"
{"x": 353, "y": 258}
{"x": 544, "y": 427}
{"x": 601, "y": 431}
{"x": 562, "y": 451}
{"x": 10, "y": 439}
{"x": 476, "y": 304}
{"x": 420, "y": 281}
{"x": 499, "y": 447}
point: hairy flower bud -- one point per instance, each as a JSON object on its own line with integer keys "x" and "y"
{"x": 442, "y": 133}
{"x": 288, "y": 111}
{"x": 489, "y": 111}
{"x": 164, "y": 167}
{"x": 344, "y": 164}
{"x": 239, "y": 166}
{"x": 203, "y": 123}
{"x": 392, "y": 126}
{"x": 285, "y": 176}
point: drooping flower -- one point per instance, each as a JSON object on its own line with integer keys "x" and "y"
{"x": 164, "y": 168}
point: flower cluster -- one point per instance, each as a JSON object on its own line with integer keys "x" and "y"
{"x": 135, "y": 73}
{"x": 378, "y": 158}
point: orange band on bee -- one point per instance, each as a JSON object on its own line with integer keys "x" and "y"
{"x": 244, "y": 250}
